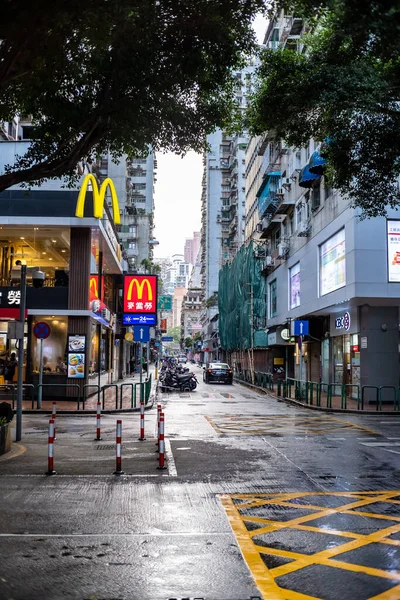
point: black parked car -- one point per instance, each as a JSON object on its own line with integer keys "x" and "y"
{"x": 218, "y": 372}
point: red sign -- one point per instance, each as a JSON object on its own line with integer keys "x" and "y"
{"x": 355, "y": 348}
{"x": 140, "y": 294}
{"x": 163, "y": 325}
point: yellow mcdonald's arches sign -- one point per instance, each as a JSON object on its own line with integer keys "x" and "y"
{"x": 98, "y": 198}
{"x": 140, "y": 293}
{"x": 139, "y": 289}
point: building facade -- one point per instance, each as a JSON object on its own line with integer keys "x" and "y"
{"x": 323, "y": 264}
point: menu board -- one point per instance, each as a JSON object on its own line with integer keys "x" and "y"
{"x": 76, "y": 356}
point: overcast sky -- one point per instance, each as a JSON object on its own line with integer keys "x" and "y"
{"x": 178, "y": 193}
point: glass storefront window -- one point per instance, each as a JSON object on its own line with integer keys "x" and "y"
{"x": 54, "y": 347}
{"x": 45, "y": 249}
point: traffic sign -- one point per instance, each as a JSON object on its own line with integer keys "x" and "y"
{"x": 164, "y": 303}
{"x": 141, "y": 333}
{"x": 139, "y": 319}
{"x": 300, "y": 327}
{"x": 41, "y": 330}
{"x": 167, "y": 338}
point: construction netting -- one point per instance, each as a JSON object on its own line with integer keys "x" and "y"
{"x": 242, "y": 301}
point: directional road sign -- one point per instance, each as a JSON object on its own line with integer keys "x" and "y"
{"x": 141, "y": 333}
{"x": 166, "y": 338}
{"x": 300, "y": 327}
{"x": 150, "y": 319}
{"x": 164, "y": 303}
{"x": 41, "y": 330}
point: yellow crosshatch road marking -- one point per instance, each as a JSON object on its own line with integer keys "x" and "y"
{"x": 285, "y": 424}
{"x": 287, "y": 581}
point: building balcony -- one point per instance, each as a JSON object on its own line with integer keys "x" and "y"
{"x": 131, "y": 252}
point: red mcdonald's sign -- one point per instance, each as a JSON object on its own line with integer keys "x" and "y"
{"x": 140, "y": 294}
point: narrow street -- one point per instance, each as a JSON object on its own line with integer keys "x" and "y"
{"x": 261, "y": 499}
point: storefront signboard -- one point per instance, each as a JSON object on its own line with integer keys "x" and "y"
{"x": 139, "y": 319}
{"x": 140, "y": 294}
{"x": 9, "y": 297}
{"x": 98, "y": 198}
{"x": 333, "y": 263}
{"x": 343, "y": 322}
{"x": 393, "y": 251}
{"x": 76, "y": 356}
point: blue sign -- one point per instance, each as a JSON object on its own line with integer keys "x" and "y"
{"x": 133, "y": 319}
{"x": 166, "y": 338}
{"x": 141, "y": 333}
{"x": 156, "y": 343}
{"x": 41, "y": 330}
{"x": 300, "y": 327}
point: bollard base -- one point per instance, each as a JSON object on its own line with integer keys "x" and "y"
{"x": 51, "y": 473}
{"x": 119, "y": 473}
{"x": 161, "y": 468}
{"x": 98, "y": 439}
{"x": 141, "y": 439}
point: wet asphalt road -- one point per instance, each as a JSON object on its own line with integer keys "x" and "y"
{"x": 239, "y": 461}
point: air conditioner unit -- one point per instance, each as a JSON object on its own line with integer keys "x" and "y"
{"x": 259, "y": 227}
{"x": 280, "y": 192}
{"x": 269, "y": 261}
{"x": 304, "y": 230}
{"x": 286, "y": 181}
{"x": 283, "y": 250}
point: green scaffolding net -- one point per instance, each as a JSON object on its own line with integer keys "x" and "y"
{"x": 242, "y": 301}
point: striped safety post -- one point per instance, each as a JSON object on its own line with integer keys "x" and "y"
{"x": 142, "y": 438}
{"x": 98, "y": 422}
{"x": 118, "y": 470}
{"x": 161, "y": 455}
{"x": 159, "y": 409}
{"x": 50, "y": 455}
{"x": 53, "y": 416}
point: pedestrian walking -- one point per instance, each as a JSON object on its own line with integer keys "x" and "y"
{"x": 9, "y": 370}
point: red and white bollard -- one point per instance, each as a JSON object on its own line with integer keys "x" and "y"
{"x": 142, "y": 438}
{"x": 53, "y": 416}
{"x": 50, "y": 455}
{"x": 159, "y": 409}
{"x": 98, "y": 422}
{"x": 161, "y": 455}
{"x": 118, "y": 470}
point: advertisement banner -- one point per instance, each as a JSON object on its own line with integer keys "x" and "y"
{"x": 333, "y": 263}
{"x": 76, "y": 365}
{"x": 393, "y": 250}
{"x": 295, "y": 286}
{"x": 140, "y": 293}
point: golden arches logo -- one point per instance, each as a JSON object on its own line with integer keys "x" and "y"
{"x": 93, "y": 286}
{"x": 139, "y": 289}
{"x": 98, "y": 198}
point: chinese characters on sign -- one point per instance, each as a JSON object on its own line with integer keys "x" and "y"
{"x": 10, "y": 297}
{"x": 140, "y": 294}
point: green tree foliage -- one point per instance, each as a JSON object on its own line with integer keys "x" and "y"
{"x": 345, "y": 87}
{"x": 175, "y": 333}
{"x": 118, "y": 75}
{"x": 188, "y": 342}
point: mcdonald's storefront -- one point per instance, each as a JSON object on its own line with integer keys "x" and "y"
{"x": 64, "y": 254}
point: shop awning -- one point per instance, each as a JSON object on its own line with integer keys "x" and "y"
{"x": 307, "y": 178}
{"x": 317, "y": 163}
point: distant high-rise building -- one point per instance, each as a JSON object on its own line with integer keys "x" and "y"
{"x": 192, "y": 246}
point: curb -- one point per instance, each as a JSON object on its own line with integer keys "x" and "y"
{"x": 343, "y": 411}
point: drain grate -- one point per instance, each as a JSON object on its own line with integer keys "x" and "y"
{"x": 109, "y": 447}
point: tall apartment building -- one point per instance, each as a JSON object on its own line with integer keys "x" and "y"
{"x": 191, "y": 249}
{"x": 223, "y": 210}
{"x": 322, "y": 263}
{"x": 192, "y": 305}
{"x": 137, "y": 176}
